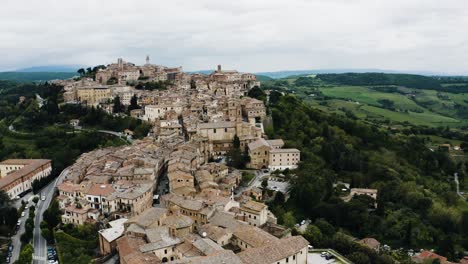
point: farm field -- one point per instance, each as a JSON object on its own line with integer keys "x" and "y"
{"x": 418, "y": 107}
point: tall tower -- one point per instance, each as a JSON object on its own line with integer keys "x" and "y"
{"x": 219, "y": 67}
{"x": 147, "y": 59}
{"x": 120, "y": 63}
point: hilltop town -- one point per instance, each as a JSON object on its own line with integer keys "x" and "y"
{"x": 171, "y": 197}
{"x": 153, "y": 164}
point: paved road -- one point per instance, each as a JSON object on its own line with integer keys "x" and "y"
{"x": 15, "y": 240}
{"x": 27, "y": 197}
{"x": 255, "y": 182}
{"x": 114, "y": 133}
{"x": 39, "y": 243}
{"x": 457, "y": 182}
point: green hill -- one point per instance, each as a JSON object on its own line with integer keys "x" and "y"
{"x": 391, "y": 99}
{"x": 35, "y": 76}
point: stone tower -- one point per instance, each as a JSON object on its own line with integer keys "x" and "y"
{"x": 147, "y": 59}
{"x": 120, "y": 63}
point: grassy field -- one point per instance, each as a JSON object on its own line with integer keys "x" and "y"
{"x": 365, "y": 95}
{"x": 419, "y": 107}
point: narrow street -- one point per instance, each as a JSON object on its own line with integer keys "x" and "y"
{"x": 258, "y": 175}
{"x": 15, "y": 240}
{"x": 39, "y": 243}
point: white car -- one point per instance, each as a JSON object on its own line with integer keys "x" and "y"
{"x": 26, "y": 207}
{"x": 43, "y": 198}
{"x": 23, "y": 214}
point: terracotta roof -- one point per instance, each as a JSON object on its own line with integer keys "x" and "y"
{"x": 370, "y": 242}
{"x": 292, "y": 150}
{"x": 254, "y": 236}
{"x": 276, "y": 142}
{"x": 101, "y": 190}
{"x": 221, "y": 124}
{"x": 253, "y": 206}
{"x": 178, "y": 221}
{"x": 148, "y": 217}
{"x": 261, "y": 142}
{"x": 213, "y": 232}
{"x": 221, "y": 256}
{"x": 29, "y": 166}
{"x": 129, "y": 251}
{"x": 275, "y": 251}
{"x": 68, "y": 187}
{"x": 429, "y": 255}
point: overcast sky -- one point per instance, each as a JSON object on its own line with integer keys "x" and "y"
{"x": 248, "y": 35}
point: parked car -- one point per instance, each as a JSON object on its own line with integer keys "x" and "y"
{"x": 7, "y": 260}
{"x": 43, "y": 198}
{"x": 23, "y": 214}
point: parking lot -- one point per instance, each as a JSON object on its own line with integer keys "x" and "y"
{"x": 326, "y": 257}
{"x": 52, "y": 256}
{"x": 275, "y": 184}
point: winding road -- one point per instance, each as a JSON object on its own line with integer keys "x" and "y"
{"x": 457, "y": 182}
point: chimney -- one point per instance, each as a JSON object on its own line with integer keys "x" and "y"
{"x": 219, "y": 67}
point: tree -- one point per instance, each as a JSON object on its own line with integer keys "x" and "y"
{"x": 464, "y": 146}
{"x": 133, "y": 103}
{"x": 359, "y": 258}
{"x": 142, "y": 130}
{"x": 265, "y": 183}
{"x": 289, "y": 220}
{"x": 4, "y": 199}
{"x": 26, "y": 255}
{"x": 81, "y": 71}
{"x": 279, "y": 198}
{"x": 52, "y": 215}
{"x": 117, "y": 107}
{"x": 47, "y": 234}
{"x": 8, "y": 214}
{"x": 325, "y": 227}
{"x": 314, "y": 235}
{"x": 257, "y": 93}
{"x": 235, "y": 157}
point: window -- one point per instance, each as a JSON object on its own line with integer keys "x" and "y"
{"x": 294, "y": 257}
{"x": 165, "y": 251}
{"x": 287, "y": 259}
{"x": 225, "y": 130}
{"x": 214, "y": 130}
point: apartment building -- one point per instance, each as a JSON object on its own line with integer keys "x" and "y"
{"x": 17, "y": 175}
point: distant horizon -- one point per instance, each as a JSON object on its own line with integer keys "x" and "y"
{"x": 251, "y": 36}
{"x": 72, "y": 68}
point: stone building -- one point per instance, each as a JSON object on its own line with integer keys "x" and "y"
{"x": 270, "y": 154}
{"x": 17, "y": 175}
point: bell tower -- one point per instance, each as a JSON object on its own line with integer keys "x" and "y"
{"x": 147, "y": 59}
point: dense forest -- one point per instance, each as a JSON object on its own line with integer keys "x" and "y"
{"x": 442, "y": 84}
{"x": 417, "y": 204}
{"x": 407, "y": 80}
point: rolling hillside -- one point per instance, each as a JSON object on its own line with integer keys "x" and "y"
{"x": 393, "y": 99}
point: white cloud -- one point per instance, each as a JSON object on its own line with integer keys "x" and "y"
{"x": 250, "y": 35}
